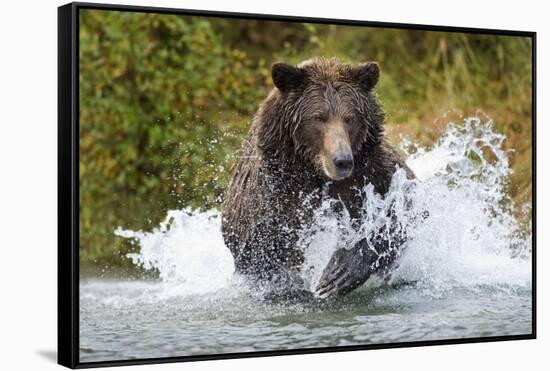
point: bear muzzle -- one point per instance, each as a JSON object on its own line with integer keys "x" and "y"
{"x": 343, "y": 164}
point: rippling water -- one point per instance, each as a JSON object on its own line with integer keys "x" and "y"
{"x": 128, "y": 320}
{"x": 465, "y": 272}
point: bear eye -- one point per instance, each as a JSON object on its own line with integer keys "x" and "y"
{"x": 320, "y": 118}
{"x": 349, "y": 119}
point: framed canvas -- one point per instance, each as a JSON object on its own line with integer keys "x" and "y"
{"x": 241, "y": 185}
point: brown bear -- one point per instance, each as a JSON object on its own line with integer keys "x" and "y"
{"x": 319, "y": 131}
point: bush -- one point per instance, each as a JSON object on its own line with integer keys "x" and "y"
{"x": 155, "y": 92}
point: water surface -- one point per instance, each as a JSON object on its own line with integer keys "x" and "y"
{"x": 129, "y": 320}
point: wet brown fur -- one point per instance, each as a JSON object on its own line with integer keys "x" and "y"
{"x": 279, "y": 165}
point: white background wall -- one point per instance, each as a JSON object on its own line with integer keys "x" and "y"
{"x": 28, "y": 153}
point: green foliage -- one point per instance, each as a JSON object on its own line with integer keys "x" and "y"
{"x": 156, "y": 93}
{"x": 165, "y": 101}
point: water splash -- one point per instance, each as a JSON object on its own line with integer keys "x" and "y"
{"x": 471, "y": 238}
{"x": 187, "y": 250}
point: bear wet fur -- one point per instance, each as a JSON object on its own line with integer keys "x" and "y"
{"x": 319, "y": 130}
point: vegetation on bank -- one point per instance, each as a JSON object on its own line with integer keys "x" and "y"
{"x": 165, "y": 101}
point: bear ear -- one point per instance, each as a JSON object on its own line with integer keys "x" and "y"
{"x": 367, "y": 75}
{"x": 286, "y": 77}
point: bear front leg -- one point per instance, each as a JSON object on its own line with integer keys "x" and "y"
{"x": 286, "y": 286}
{"x": 347, "y": 270}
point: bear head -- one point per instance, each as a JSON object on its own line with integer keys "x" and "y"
{"x": 322, "y": 112}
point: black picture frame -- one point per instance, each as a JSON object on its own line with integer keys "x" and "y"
{"x": 68, "y": 183}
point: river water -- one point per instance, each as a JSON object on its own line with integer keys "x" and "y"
{"x": 465, "y": 271}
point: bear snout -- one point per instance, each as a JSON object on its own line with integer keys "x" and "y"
{"x": 343, "y": 163}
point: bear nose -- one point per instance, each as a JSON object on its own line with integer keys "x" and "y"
{"x": 343, "y": 162}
